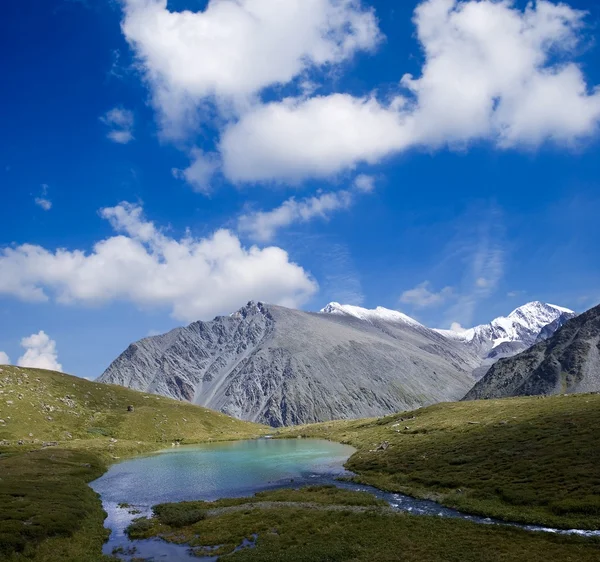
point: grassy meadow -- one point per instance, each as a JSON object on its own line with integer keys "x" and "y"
{"x": 331, "y": 525}
{"x": 531, "y": 460}
{"x": 59, "y": 432}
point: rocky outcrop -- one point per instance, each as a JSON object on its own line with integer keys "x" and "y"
{"x": 566, "y": 362}
{"x": 281, "y": 366}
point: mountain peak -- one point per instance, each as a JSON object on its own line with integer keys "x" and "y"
{"x": 369, "y": 315}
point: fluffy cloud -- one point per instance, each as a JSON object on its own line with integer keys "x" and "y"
{"x": 195, "y": 278}
{"x": 423, "y": 297}
{"x": 263, "y": 225}
{"x": 233, "y": 49}
{"x": 200, "y": 172}
{"x": 4, "y": 358}
{"x": 120, "y": 122}
{"x": 43, "y": 200}
{"x": 40, "y": 352}
{"x": 492, "y": 72}
{"x": 318, "y": 137}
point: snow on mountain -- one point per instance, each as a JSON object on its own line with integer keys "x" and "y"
{"x": 508, "y": 335}
{"x": 370, "y": 315}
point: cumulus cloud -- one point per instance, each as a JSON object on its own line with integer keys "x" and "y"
{"x": 263, "y": 225}
{"x": 321, "y": 136}
{"x": 200, "y": 172}
{"x": 233, "y": 49}
{"x": 422, "y": 296}
{"x": 43, "y": 201}
{"x": 4, "y": 358}
{"x": 195, "y": 277}
{"x": 120, "y": 122}
{"x": 492, "y": 72}
{"x": 40, "y": 352}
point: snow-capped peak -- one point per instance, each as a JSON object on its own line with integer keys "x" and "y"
{"x": 523, "y": 325}
{"x": 379, "y": 313}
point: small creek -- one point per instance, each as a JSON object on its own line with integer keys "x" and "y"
{"x": 235, "y": 469}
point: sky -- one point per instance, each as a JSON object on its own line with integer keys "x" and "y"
{"x": 166, "y": 162}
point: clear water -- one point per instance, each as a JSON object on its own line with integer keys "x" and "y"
{"x": 209, "y": 472}
{"x": 236, "y": 469}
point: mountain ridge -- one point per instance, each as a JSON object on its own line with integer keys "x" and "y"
{"x": 282, "y": 366}
{"x": 567, "y": 362}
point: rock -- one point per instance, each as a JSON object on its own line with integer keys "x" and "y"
{"x": 113, "y": 440}
{"x": 281, "y": 366}
{"x": 49, "y": 443}
{"x": 382, "y": 446}
{"x": 130, "y": 408}
{"x": 20, "y": 442}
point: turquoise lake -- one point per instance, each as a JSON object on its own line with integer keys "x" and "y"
{"x": 208, "y": 472}
{"x": 234, "y": 469}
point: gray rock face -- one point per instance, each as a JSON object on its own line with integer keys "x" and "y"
{"x": 281, "y": 367}
{"x": 566, "y": 362}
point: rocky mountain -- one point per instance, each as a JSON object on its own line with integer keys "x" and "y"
{"x": 507, "y": 336}
{"x": 280, "y": 366}
{"x": 566, "y": 362}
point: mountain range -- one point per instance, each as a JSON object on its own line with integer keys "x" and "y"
{"x": 282, "y": 366}
{"x": 567, "y": 362}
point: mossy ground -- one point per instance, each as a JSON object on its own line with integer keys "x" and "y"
{"x": 531, "y": 460}
{"x": 288, "y": 533}
{"x": 47, "y": 511}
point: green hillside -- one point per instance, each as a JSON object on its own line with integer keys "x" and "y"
{"x": 58, "y": 432}
{"x": 532, "y": 460}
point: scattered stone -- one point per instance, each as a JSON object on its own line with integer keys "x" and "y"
{"x": 20, "y": 442}
{"x": 50, "y": 418}
{"x": 474, "y": 423}
{"x": 113, "y": 440}
{"x": 9, "y": 402}
{"x": 2, "y": 421}
{"x": 49, "y": 443}
{"x": 130, "y": 408}
{"x": 382, "y": 446}
{"x": 31, "y": 435}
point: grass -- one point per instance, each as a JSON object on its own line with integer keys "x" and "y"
{"x": 296, "y": 533}
{"x": 530, "y": 460}
{"x": 57, "y": 433}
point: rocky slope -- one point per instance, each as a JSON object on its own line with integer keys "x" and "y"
{"x": 507, "y": 336}
{"x": 281, "y": 366}
{"x": 567, "y": 362}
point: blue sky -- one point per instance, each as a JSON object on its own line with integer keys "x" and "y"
{"x": 159, "y": 165}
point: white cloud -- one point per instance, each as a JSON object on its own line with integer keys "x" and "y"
{"x": 263, "y": 225}
{"x": 423, "y": 297}
{"x": 233, "y": 49}
{"x": 364, "y": 183}
{"x": 492, "y": 72}
{"x": 481, "y": 252}
{"x": 319, "y": 137}
{"x": 43, "y": 200}
{"x": 4, "y": 358}
{"x": 200, "y": 172}
{"x": 120, "y": 122}
{"x": 40, "y": 352}
{"x": 195, "y": 278}
{"x": 44, "y": 203}
{"x": 456, "y": 327}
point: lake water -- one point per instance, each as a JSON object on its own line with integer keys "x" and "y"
{"x": 209, "y": 472}
{"x": 234, "y": 469}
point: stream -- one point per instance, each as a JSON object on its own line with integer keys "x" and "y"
{"x": 237, "y": 469}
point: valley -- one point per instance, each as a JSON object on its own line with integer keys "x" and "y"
{"x": 526, "y": 460}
